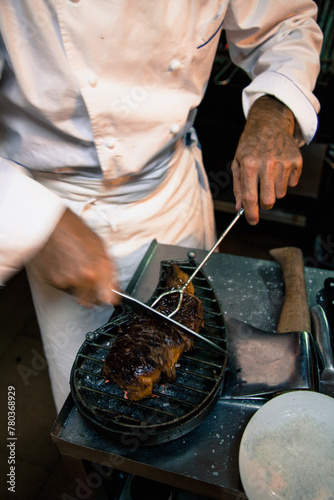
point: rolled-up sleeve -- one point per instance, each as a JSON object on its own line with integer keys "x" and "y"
{"x": 278, "y": 44}
{"x": 28, "y": 215}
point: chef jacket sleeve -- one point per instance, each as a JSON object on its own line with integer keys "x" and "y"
{"x": 278, "y": 44}
{"x": 28, "y": 215}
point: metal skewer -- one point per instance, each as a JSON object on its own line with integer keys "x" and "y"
{"x": 181, "y": 290}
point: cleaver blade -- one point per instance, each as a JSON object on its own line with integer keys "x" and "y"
{"x": 321, "y": 333}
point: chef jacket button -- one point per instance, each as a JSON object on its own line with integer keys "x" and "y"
{"x": 110, "y": 142}
{"x": 174, "y": 65}
{"x": 174, "y": 129}
{"x": 74, "y": 1}
{"x": 92, "y": 80}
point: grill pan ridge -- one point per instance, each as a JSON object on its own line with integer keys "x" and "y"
{"x": 175, "y": 408}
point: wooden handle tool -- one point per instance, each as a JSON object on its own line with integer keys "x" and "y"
{"x": 295, "y": 315}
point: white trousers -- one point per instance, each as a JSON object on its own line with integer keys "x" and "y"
{"x": 179, "y": 211}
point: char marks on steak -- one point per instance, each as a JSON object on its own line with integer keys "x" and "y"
{"x": 148, "y": 348}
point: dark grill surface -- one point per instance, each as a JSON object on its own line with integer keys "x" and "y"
{"x": 174, "y": 408}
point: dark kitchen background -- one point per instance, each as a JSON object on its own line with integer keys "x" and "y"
{"x": 304, "y": 218}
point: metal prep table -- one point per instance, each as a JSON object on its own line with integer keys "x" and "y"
{"x": 205, "y": 461}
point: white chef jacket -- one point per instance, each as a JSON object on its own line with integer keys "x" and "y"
{"x": 107, "y": 89}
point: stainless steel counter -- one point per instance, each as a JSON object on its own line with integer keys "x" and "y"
{"x": 205, "y": 460}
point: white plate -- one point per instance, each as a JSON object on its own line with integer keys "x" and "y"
{"x": 287, "y": 449}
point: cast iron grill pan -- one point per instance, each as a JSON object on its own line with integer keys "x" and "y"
{"x": 175, "y": 408}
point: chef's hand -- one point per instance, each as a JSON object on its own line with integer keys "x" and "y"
{"x": 267, "y": 159}
{"x": 74, "y": 260}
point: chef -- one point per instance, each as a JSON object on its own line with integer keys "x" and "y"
{"x": 98, "y": 155}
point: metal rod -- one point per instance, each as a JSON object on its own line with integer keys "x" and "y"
{"x": 182, "y": 289}
{"x": 214, "y": 247}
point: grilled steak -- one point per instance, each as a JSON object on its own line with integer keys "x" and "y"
{"x": 147, "y": 348}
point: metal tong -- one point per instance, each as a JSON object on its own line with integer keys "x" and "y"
{"x": 181, "y": 290}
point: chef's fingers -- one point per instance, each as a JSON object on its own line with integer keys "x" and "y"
{"x": 245, "y": 186}
{"x": 97, "y": 285}
{"x": 99, "y": 298}
{"x": 74, "y": 260}
{"x": 295, "y": 174}
{"x": 235, "y": 167}
{"x": 289, "y": 169}
{"x": 106, "y": 295}
{"x": 267, "y": 181}
{"x": 90, "y": 287}
{"x": 275, "y": 178}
